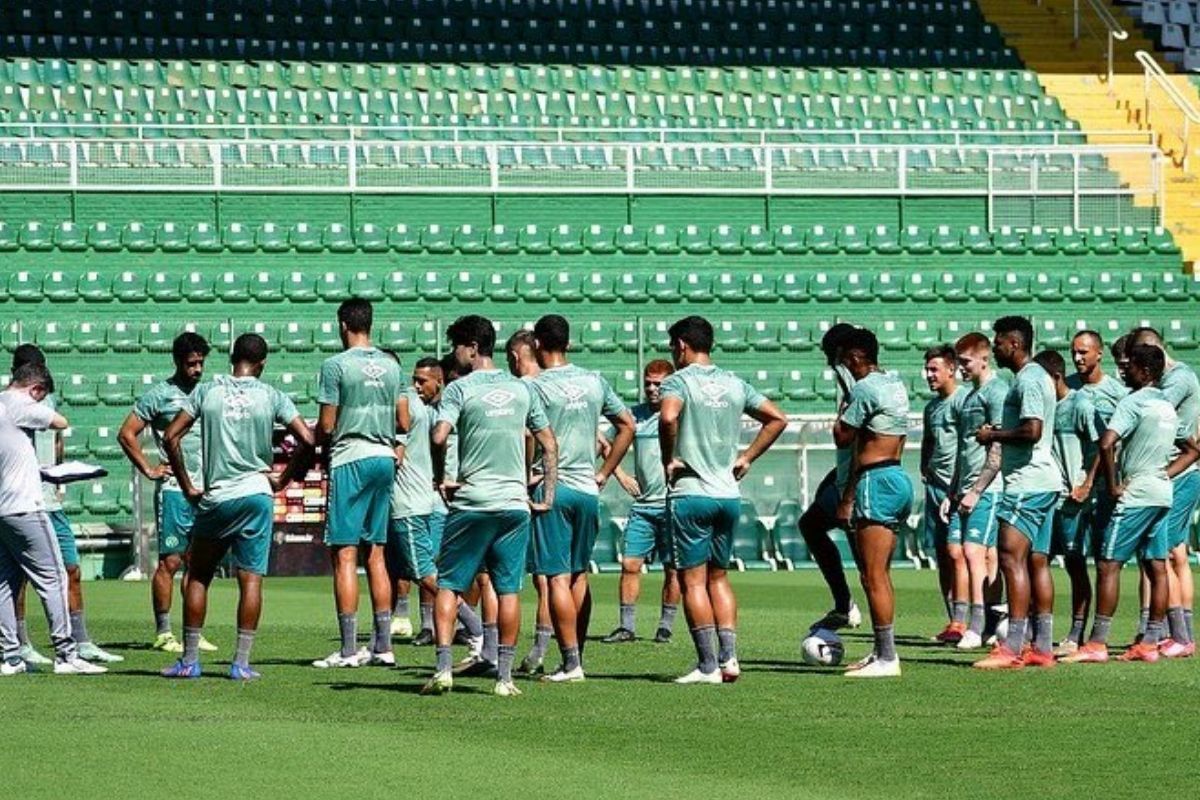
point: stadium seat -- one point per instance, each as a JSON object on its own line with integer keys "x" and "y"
{"x": 790, "y": 548}
{"x": 751, "y": 541}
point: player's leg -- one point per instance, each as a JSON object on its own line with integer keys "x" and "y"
{"x": 88, "y": 650}
{"x": 815, "y": 524}
{"x": 251, "y": 546}
{"x": 489, "y": 607}
{"x": 344, "y": 560}
{"x": 1108, "y": 592}
{"x": 464, "y": 545}
{"x": 401, "y": 624}
{"x": 349, "y": 509}
{"x": 506, "y": 565}
{"x": 206, "y": 555}
{"x": 470, "y": 624}
{"x": 552, "y": 558}
{"x": 11, "y": 585}
{"x": 875, "y": 543}
{"x": 249, "y": 612}
{"x": 953, "y": 574}
{"x": 628, "y": 591}
{"x": 380, "y": 587}
{"x": 543, "y": 624}
{"x": 581, "y": 595}
{"x": 1072, "y": 526}
{"x": 1014, "y": 565}
{"x": 583, "y": 513}
{"x": 723, "y": 520}
{"x": 1037, "y": 522}
{"x": 670, "y": 605}
{"x": 691, "y": 521}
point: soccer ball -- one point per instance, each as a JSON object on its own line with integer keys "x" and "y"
{"x": 822, "y": 648}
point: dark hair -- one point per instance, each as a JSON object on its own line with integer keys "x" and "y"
{"x": 1118, "y": 347}
{"x": 1150, "y": 358}
{"x": 862, "y": 340}
{"x": 356, "y": 314}
{"x": 392, "y": 354}
{"x": 553, "y": 333}
{"x": 450, "y": 368}
{"x": 659, "y": 366}
{"x": 1052, "y": 362}
{"x": 427, "y": 362}
{"x": 1018, "y": 325}
{"x": 31, "y": 374}
{"x": 187, "y": 343}
{"x": 249, "y": 348}
{"x": 522, "y": 338}
{"x": 1094, "y": 334}
{"x": 27, "y": 354}
{"x": 1146, "y": 335}
{"x": 473, "y": 329}
{"x": 831, "y": 342}
{"x": 694, "y": 331}
{"x": 942, "y": 351}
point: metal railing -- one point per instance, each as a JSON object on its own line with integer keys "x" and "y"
{"x": 1109, "y": 30}
{"x": 1168, "y": 110}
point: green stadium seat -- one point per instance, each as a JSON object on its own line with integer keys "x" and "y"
{"x": 599, "y": 337}
{"x": 220, "y": 336}
{"x": 104, "y": 238}
{"x": 204, "y": 238}
{"x": 173, "y": 238}
{"x": 299, "y": 288}
{"x": 952, "y": 288}
{"x": 368, "y": 237}
{"x": 916, "y": 241}
{"x": 157, "y": 338}
{"x": 730, "y": 337}
{"x": 1046, "y": 288}
{"x": 196, "y": 287}
{"x": 663, "y": 287}
{"x": 1077, "y": 287}
{"x": 303, "y": 238}
{"x": 88, "y": 337}
{"x": 123, "y": 337}
{"x": 1180, "y": 335}
{"x": 797, "y": 386}
{"x": 400, "y": 286}
{"x": 99, "y": 499}
{"x": 599, "y": 240}
{"x": 35, "y": 236}
{"x": 403, "y": 240}
{"x": 294, "y": 338}
{"x": 751, "y": 541}
{"x": 269, "y": 238}
{"x": 630, "y": 240}
{"x": 231, "y": 287}
{"x": 1107, "y": 287}
{"x": 920, "y": 287}
{"x": 326, "y": 338}
{"x": 598, "y": 287}
{"x": 115, "y": 391}
{"x": 824, "y": 288}
{"x": 58, "y": 288}
{"x": 791, "y": 551}
{"x": 1015, "y": 288}
{"x": 1049, "y": 334}
{"x": 1174, "y": 287}
{"x": 67, "y": 237}
{"x": 893, "y": 335}
{"x": 435, "y": 239}
{"x": 333, "y": 287}
{"x": 77, "y": 391}
{"x": 1139, "y": 287}
{"x": 52, "y": 337}
{"x": 469, "y": 241}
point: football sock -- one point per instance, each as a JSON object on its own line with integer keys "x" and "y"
{"x": 401, "y": 608}
{"x": 570, "y": 658}
{"x": 1077, "y": 626}
{"x": 1175, "y": 624}
{"x": 977, "y": 618}
{"x": 1154, "y": 629}
{"x": 162, "y": 622}
{"x": 491, "y": 642}
{"x": 1016, "y": 634}
{"x": 1030, "y": 629}
{"x": 191, "y": 645}
{"x": 22, "y": 633}
{"x": 958, "y": 612}
{"x": 348, "y": 625}
{"x": 707, "y": 659}
{"x": 1142, "y": 621}
{"x": 1187, "y": 624}
{"x": 1100, "y": 627}
{"x": 445, "y": 658}
{"x": 426, "y": 616}
{"x": 383, "y": 632}
{"x": 541, "y": 642}
{"x": 726, "y": 644}
{"x": 79, "y": 631}
{"x": 627, "y": 615}
{"x": 245, "y": 640}
{"x": 504, "y": 662}
{"x": 667, "y": 618}
{"x": 470, "y": 620}
{"x": 885, "y": 642}
{"x": 1044, "y": 641}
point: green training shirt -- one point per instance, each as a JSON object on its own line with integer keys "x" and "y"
{"x": 1147, "y": 424}
{"x": 941, "y": 425}
{"x": 1182, "y": 390}
{"x": 983, "y": 405}
{"x": 157, "y": 407}
{"x": 879, "y": 404}
{"x": 1076, "y": 433}
{"x": 1029, "y": 468}
{"x": 575, "y": 399}
{"x": 1104, "y": 395}
{"x": 413, "y": 494}
{"x": 647, "y": 456}
{"x": 365, "y": 384}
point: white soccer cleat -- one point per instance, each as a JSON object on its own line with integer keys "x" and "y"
{"x": 89, "y": 651}
{"x": 970, "y": 641}
{"x": 862, "y": 662}
{"x": 564, "y": 676}
{"x": 336, "y": 660}
{"x": 876, "y": 668}
{"x": 696, "y": 676}
{"x": 387, "y": 659}
{"x": 402, "y": 627}
{"x": 440, "y": 683}
{"x": 506, "y": 689}
{"x": 16, "y": 667}
{"x": 730, "y": 671}
{"x": 32, "y": 657}
{"x": 474, "y": 648}
{"x": 854, "y": 617}
{"x": 77, "y": 666}
{"x": 205, "y": 646}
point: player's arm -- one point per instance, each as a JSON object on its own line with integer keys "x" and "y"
{"x": 1027, "y": 431}
{"x": 403, "y": 426}
{"x": 173, "y": 443}
{"x": 326, "y": 423}
{"x": 991, "y": 468}
{"x": 301, "y": 458}
{"x": 773, "y": 422}
{"x": 131, "y": 431}
{"x": 668, "y": 436}
{"x": 545, "y": 438}
{"x": 623, "y": 437}
{"x": 1189, "y": 451}
{"x": 1108, "y": 459}
{"x": 845, "y": 509}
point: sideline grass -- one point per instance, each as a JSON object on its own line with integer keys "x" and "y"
{"x": 783, "y": 731}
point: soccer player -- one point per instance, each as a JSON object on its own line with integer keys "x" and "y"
{"x": 879, "y": 495}
{"x": 970, "y": 508}
{"x": 646, "y": 533}
{"x": 821, "y": 515}
{"x": 155, "y": 410}
{"x": 699, "y": 430}
{"x": 236, "y": 415}
{"x": 1146, "y": 426}
{"x": 1031, "y": 492}
{"x": 1181, "y": 388}
{"x": 1120, "y": 355}
{"x": 574, "y": 399}
{"x": 939, "y": 455}
{"x": 489, "y": 520}
{"x": 1077, "y": 429}
{"x": 359, "y": 396}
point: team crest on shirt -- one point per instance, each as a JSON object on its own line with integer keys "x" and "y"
{"x": 714, "y": 394}
{"x": 500, "y": 401}
{"x": 237, "y": 407}
{"x": 373, "y": 373}
{"x": 576, "y": 395}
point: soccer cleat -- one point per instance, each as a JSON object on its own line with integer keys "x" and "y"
{"x": 387, "y": 659}
{"x": 876, "y": 668}
{"x": 32, "y": 657}
{"x": 243, "y": 672}
{"x": 1141, "y": 651}
{"x": 167, "y": 643}
{"x": 696, "y": 676}
{"x": 531, "y": 667}
{"x": 440, "y": 683}
{"x": 506, "y": 689}
{"x": 1032, "y": 657}
{"x": 14, "y": 667}
{"x": 836, "y": 620}
{"x": 662, "y": 636}
{"x": 88, "y": 651}
{"x": 731, "y": 671}
{"x": 970, "y": 641}
{"x": 1066, "y": 647}
{"x": 402, "y": 627}
{"x": 336, "y": 660}
{"x": 564, "y": 676}
{"x": 620, "y": 635}
{"x": 77, "y": 666}
{"x": 1169, "y": 648}
{"x": 951, "y": 634}
{"x": 1000, "y": 658}
{"x": 461, "y": 637}
{"x": 474, "y": 646}
{"x": 206, "y": 646}
{"x": 423, "y": 639}
{"x": 181, "y": 669}
{"x": 474, "y": 667}
{"x": 1088, "y": 653}
{"x": 862, "y": 662}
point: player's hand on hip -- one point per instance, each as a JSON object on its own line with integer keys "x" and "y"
{"x": 630, "y": 485}
{"x": 674, "y": 470}
{"x": 448, "y": 489}
{"x": 968, "y": 502}
{"x": 159, "y": 472}
{"x": 741, "y": 467}
{"x": 193, "y": 495}
{"x": 845, "y": 511}
{"x": 944, "y": 509}
{"x": 539, "y": 507}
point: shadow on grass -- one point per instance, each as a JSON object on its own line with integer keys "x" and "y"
{"x": 403, "y": 687}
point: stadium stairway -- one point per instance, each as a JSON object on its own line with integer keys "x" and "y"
{"x": 1042, "y": 34}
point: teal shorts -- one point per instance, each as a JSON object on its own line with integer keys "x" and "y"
{"x": 564, "y": 537}
{"x": 646, "y": 535}
{"x": 1103, "y": 507}
{"x": 243, "y": 525}
{"x": 475, "y": 540}
{"x": 66, "y": 538}
{"x": 702, "y": 530}
{"x": 437, "y": 525}
{"x": 176, "y": 516}
{"x": 1032, "y": 514}
{"x": 1186, "y": 495}
{"x": 980, "y": 526}
{"x": 1073, "y": 528}
{"x": 360, "y": 502}
{"x": 1140, "y": 529}
{"x": 883, "y": 496}
{"x": 410, "y": 554}
{"x": 936, "y": 532}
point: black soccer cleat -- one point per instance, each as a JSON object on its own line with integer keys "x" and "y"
{"x": 423, "y": 639}
{"x": 620, "y": 635}
{"x": 662, "y": 636}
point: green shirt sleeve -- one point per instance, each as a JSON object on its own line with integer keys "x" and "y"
{"x": 672, "y": 387}
{"x": 754, "y": 398}
{"x": 146, "y": 407}
{"x": 329, "y": 384}
{"x": 860, "y": 408}
{"x": 1088, "y": 427}
{"x": 536, "y": 419}
{"x": 284, "y": 409}
{"x": 451, "y": 406}
{"x": 195, "y": 401}
{"x": 1124, "y": 418}
{"x": 1033, "y": 400}
{"x": 613, "y": 405}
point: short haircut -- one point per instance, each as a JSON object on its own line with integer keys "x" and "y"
{"x": 1018, "y": 325}
{"x": 450, "y": 368}
{"x": 694, "y": 331}
{"x": 1145, "y": 335}
{"x": 973, "y": 342}
{"x": 33, "y": 375}
{"x": 1052, "y": 362}
{"x": 1117, "y": 348}
{"x": 1093, "y": 334}
{"x": 187, "y": 343}
{"x": 831, "y": 342}
{"x": 473, "y": 329}
{"x": 553, "y": 333}
{"x": 427, "y": 362}
{"x": 864, "y": 341}
{"x": 356, "y": 314}
{"x": 942, "y": 351}
{"x": 522, "y": 338}
{"x": 27, "y": 354}
{"x": 392, "y": 354}
{"x": 249, "y": 348}
{"x": 1150, "y": 358}
{"x": 659, "y": 366}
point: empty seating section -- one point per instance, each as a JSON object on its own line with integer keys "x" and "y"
{"x": 1173, "y": 25}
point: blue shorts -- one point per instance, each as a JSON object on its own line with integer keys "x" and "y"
{"x": 936, "y": 532}
{"x": 564, "y": 537}
{"x": 980, "y": 526}
{"x": 437, "y": 525}
{"x": 410, "y": 554}
{"x": 360, "y": 502}
{"x": 1186, "y": 488}
{"x": 1141, "y": 530}
{"x": 244, "y": 525}
{"x": 1073, "y": 528}
{"x": 702, "y": 530}
{"x": 646, "y": 534}
{"x": 474, "y": 540}
{"x": 883, "y": 496}
{"x": 1032, "y": 514}
{"x": 66, "y": 538}
{"x": 176, "y": 516}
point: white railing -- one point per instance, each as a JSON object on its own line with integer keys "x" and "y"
{"x": 1169, "y": 111}
{"x": 1108, "y": 31}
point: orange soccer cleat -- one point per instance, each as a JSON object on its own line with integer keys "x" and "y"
{"x": 1032, "y": 657}
{"x": 1140, "y": 652}
{"x": 1000, "y": 658}
{"x": 951, "y": 634}
{"x": 1088, "y": 653}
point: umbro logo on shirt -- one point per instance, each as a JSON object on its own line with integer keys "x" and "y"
{"x": 373, "y": 373}
{"x": 500, "y": 401}
{"x": 575, "y": 394}
{"x": 237, "y": 406}
{"x": 714, "y": 394}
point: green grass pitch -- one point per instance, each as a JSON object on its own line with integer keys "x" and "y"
{"x": 784, "y": 730}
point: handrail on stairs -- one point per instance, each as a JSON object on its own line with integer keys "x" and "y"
{"x": 1113, "y": 29}
{"x": 1152, "y": 72}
